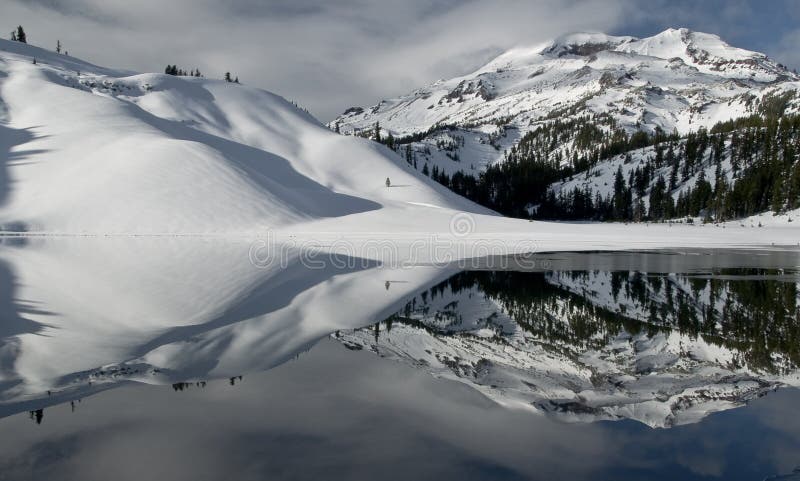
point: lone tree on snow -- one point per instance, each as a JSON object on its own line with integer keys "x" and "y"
{"x": 388, "y": 183}
{"x": 228, "y": 77}
{"x": 21, "y": 35}
{"x": 58, "y": 46}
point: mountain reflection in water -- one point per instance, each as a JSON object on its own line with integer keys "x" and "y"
{"x": 651, "y": 339}
{"x": 661, "y": 348}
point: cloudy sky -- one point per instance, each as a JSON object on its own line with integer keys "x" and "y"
{"x": 328, "y": 55}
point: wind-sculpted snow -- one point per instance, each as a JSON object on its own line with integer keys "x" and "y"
{"x": 91, "y": 150}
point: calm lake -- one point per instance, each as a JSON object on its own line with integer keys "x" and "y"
{"x": 184, "y": 360}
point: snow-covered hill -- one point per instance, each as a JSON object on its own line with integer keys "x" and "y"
{"x": 102, "y": 151}
{"x": 677, "y": 80}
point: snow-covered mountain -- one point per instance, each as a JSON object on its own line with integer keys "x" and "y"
{"x": 662, "y": 349}
{"x": 677, "y": 80}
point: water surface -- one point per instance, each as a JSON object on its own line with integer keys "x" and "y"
{"x": 180, "y": 360}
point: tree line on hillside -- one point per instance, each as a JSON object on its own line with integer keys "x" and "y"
{"x": 682, "y": 176}
{"x": 764, "y": 176}
{"x": 19, "y": 35}
{"x": 523, "y": 179}
{"x": 177, "y": 71}
{"x": 195, "y": 72}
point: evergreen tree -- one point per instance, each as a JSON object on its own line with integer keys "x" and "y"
{"x": 720, "y": 198}
{"x": 228, "y": 77}
{"x": 377, "y": 133}
{"x": 657, "y": 194}
{"x": 58, "y": 46}
{"x": 701, "y": 194}
{"x": 620, "y": 206}
{"x": 21, "y": 37}
{"x": 794, "y": 187}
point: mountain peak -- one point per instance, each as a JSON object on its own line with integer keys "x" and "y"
{"x": 690, "y": 46}
{"x": 576, "y": 43}
{"x": 583, "y": 44}
{"x": 696, "y": 48}
{"x": 677, "y": 79}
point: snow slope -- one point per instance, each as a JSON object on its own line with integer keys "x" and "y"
{"x": 93, "y": 150}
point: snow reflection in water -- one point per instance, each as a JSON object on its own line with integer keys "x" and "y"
{"x": 663, "y": 339}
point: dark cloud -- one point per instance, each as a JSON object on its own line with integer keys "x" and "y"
{"x": 331, "y": 55}
{"x": 73, "y": 8}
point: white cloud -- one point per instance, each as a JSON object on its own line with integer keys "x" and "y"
{"x": 325, "y": 55}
